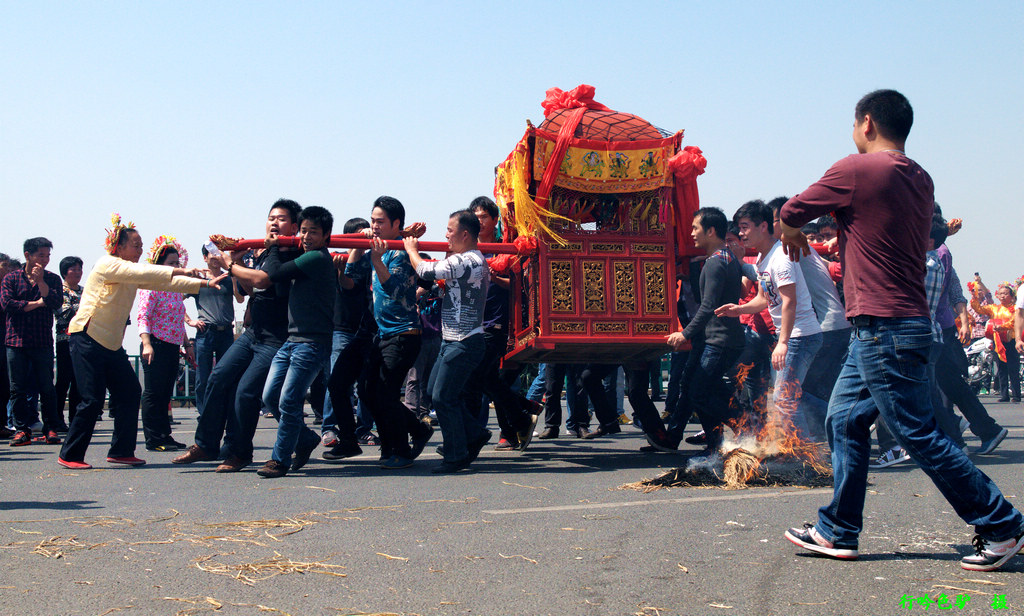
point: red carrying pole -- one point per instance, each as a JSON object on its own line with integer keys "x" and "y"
{"x": 340, "y": 241}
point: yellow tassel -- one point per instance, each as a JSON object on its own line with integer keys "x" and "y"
{"x": 526, "y": 216}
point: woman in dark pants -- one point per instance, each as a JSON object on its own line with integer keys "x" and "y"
{"x": 161, "y": 322}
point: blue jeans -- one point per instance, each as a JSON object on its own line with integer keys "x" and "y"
{"x": 886, "y": 372}
{"x": 234, "y": 397}
{"x": 536, "y": 389}
{"x": 789, "y": 394}
{"x": 365, "y": 421}
{"x": 459, "y": 425}
{"x": 821, "y": 377}
{"x": 209, "y": 343}
{"x": 292, "y": 371}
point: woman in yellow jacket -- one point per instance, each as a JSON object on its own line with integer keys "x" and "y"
{"x": 97, "y": 332}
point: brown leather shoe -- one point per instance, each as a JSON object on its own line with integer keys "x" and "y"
{"x": 273, "y": 469}
{"x": 194, "y": 453}
{"x": 233, "y": 464}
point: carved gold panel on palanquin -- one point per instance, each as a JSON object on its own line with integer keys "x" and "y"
{"x": 655, "y": 287}
{"x": 593, "y": 286}
{"x": 624, "y": 285}
{"x": 563, "y": 296}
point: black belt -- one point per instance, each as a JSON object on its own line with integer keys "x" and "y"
{"x": 862, "y": 320}
{"x": 219, "y": 328}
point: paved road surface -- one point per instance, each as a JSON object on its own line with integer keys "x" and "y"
{"x": 546, "y": 532}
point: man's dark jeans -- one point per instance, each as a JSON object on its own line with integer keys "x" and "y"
{"x": 637, "y": 378}
{"x": 459, "y": 424}
{"x": 389, "y": 362}
{"x": 348, "y": 370}
{"x": 950, "y": 371}
{"x": 234, "y": 397}
{"x": 31, "y": 369}
{"x": 209, "y": 344}
{"x": 98, "y": 369}
{"x": 708, "y": 393}
{"x": 159, "y": 376}
{"x": 554, "y": 381}
{"x": 510, "y": 409}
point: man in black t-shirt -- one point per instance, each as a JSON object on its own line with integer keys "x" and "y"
{"x": 234, "y": 393}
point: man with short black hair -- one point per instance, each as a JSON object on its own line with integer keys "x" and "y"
{"x": 397, "y": 342}
{"x": 717, "y": 340}
{"x": 234, "y": 393}
{"x": 516, "y": 415}
{"x": 29, "y": 296}
{"x": 215, "y": 326}
{"x": 883, "y": 203}
{"x": 466, "y": 277}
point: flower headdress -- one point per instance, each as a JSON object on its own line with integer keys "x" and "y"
{"x": 110, "y": 244}
{"x": 167, "y": 241}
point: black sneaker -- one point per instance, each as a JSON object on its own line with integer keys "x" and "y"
{"x": 701, "y": 438}
{"x": 661, "y": 441}
{"x": 342, "y": 451}
{"x": 302, "y": 453}
{"x": 369, "y": 440}
{"x": 451, "y": 468}
{"x": 809, "y": 539}
{"x": 990, "y": 555}
{"x": 476, "y": 446}
{"x": 419, "y": 442}
{"x": 990, "y": 445}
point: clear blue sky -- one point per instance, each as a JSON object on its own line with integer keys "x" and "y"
{"x": 191, "y": 118}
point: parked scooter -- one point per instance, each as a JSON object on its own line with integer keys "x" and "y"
{"x": 980, "y": 357}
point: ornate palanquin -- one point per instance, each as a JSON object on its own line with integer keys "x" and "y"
{"x": 610, "y": 198}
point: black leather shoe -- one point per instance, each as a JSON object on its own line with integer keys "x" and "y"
{"x": 548, "y": 434}
{"x": 602, "y": 431}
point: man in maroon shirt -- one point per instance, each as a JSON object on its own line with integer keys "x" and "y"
{"x": 883, "y": 201}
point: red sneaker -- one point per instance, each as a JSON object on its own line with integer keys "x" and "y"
{"x": 127, "y": 460}
{"x": 52, "y": 438}
{"x": 75, "y": 466}
{"x": 21, "y": 438}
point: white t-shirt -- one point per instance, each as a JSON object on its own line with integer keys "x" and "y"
{"x": 775, "y": 270}
{"x": 1020, "y": 298}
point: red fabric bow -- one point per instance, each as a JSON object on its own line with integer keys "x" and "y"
{"x": 685, "y": 166}
{"x": 503, "y": 264}
{"x": 582, "y": 95}
{"x": 580, "y": 99}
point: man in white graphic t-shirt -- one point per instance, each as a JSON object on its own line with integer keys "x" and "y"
{"x": 783, "y": 291}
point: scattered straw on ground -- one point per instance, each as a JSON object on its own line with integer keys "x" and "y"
{"x": 209, "y": 604}
{"x": 57, "y": 547}
{"x": 291, "y": 526}
{"x": 251, "y": 573}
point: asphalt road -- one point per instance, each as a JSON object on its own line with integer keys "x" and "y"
{"x": 545, "y": 532}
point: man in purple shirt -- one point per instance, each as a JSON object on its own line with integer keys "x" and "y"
{"x": 29, "y": 296}
{"x": 883, "y": 201}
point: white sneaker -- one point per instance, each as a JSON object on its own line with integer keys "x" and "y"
{"x": 329, "y": 439}
{"x": 989, "y": 555}
{"x": 889, "y": 458}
